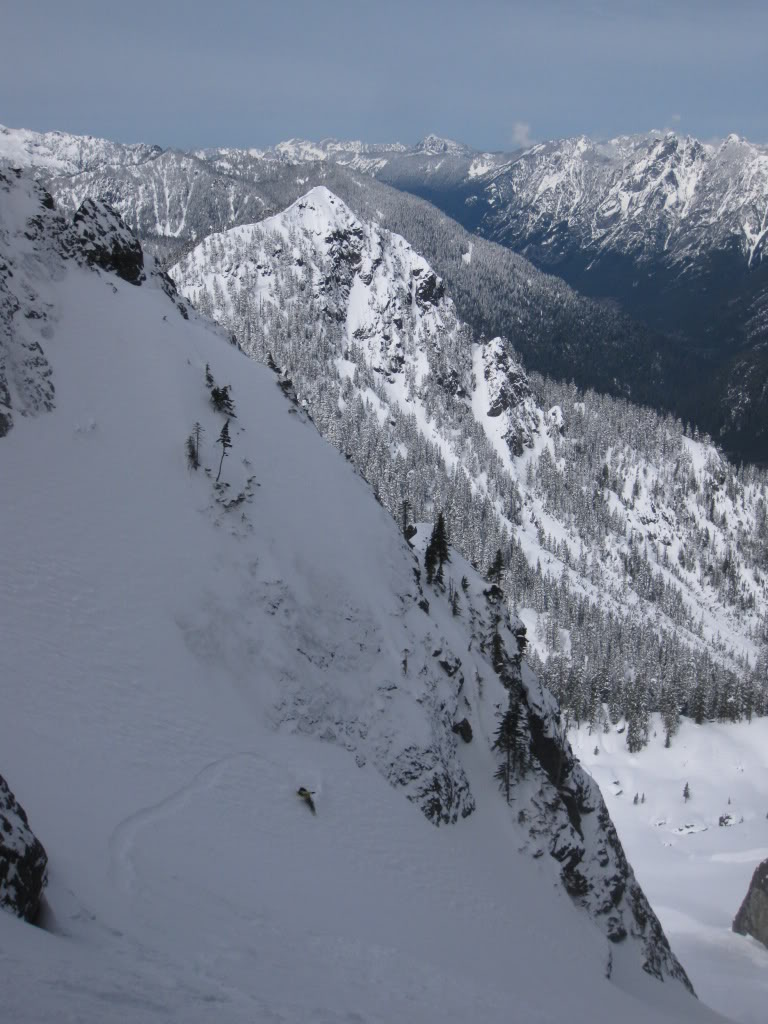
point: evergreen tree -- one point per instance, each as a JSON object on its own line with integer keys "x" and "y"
{"x": 430, "y": 562}
{"x": 226, "y": 443}
{"x": 497, "y": 568}
{"x": 221, "y": 400}
{"x": 686, "y": 793}
{"x": 192, "y": 460}
{"x": 440, "y": 540}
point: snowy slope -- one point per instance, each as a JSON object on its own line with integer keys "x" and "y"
{"x": 696, "y": 870}
{"x": 180, "y": 657}
{"x": 629, "y": 516}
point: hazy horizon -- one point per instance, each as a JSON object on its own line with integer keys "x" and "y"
{"x": 497, "y": 76}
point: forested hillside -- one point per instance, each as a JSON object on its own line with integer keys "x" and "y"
{"x": 634, "y": 551}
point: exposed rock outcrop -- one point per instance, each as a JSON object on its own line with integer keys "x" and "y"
{"x": 509, "y": 394}
{"x": 106, "y": 242}
{"x": 752, "y": 918}
{"x": 23, "y": 860}
{"x": 566, "y": 817}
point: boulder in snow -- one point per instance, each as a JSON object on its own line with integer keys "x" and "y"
{"x": 752, "y": 918}
{"x": 23, "y": 860}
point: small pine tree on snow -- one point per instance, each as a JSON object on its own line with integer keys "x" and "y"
{"x": 636, "y": 801}
{"x": 209, "y": 381}
{"x": 222, "y": 401}
{"x": 686, "y": 793}
{"x": 193, "y": 447}
{"x": 192, "y": 460}
{"x": 642, "y": 799}
{"x": 225, "y": 442}
{"x": 464, "y": 584}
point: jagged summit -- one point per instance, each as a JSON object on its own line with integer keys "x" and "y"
{"x": 318, "y": 210}
{"x": 383, "y": 298}
{"x": 434, "y": 145}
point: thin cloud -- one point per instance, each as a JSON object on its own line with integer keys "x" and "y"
{"x": 521, "y": 134}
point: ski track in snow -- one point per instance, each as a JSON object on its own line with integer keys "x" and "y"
{"x": 126, "y": 833}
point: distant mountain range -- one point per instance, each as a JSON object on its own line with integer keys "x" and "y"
{"x": 670, "y": 231}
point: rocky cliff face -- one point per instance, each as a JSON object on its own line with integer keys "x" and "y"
{"x": 36, "y": 240}
{"x": 23, "y": 860}
{"x": 567, "y": 818}
{"x": 105, "y": 241}
{"x": 752, "y": 916}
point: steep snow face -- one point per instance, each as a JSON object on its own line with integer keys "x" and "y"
{"x": 186, "y": 652}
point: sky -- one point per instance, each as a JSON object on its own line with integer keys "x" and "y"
{"x": 490, "y": 73}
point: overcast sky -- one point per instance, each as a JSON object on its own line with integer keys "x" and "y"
{"x": 490, "y": 73}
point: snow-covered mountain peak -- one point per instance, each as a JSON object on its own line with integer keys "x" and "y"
{"x": 434, "y": 145}
{"x": 319, "y": 211}
{"x": 61, "y": 153}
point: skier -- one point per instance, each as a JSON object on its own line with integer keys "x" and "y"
{"x": 306, "y": 796}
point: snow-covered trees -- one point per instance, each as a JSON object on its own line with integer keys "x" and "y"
{"x": 636, "y": 541}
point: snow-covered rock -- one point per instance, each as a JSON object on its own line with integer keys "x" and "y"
{"x": 645, "y": 196}
{"x": 64, "y": 153}
{"x": 23, "y": 860}
{"x": 508, "y": 395}
{"x": 106, "y": 242}
{"x": 433, "y": 145}
{"x": 752, "y": 916}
